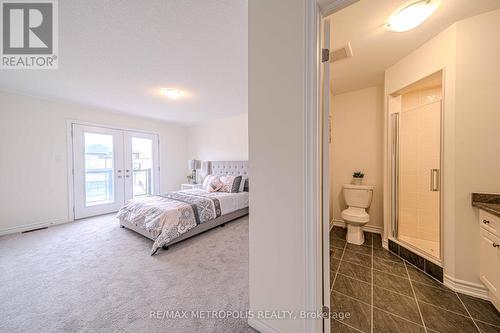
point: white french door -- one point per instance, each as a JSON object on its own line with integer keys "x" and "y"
{"x": 111, "y": 166}
{"x": 141, "y": 164}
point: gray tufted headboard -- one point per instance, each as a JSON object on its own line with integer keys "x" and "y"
{"x": 232, "y": 168}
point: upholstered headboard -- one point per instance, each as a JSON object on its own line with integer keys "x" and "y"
{"x": 232, "y": 168}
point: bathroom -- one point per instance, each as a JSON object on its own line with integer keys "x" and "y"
{"x": 413, "y": 168}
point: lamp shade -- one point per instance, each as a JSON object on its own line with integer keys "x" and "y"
{"x": 194, "y": 164}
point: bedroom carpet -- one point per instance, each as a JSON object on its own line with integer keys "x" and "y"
{"x": 92, "y": 275}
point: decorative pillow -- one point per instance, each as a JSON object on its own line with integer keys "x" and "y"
{"x": 214, "y": 184}
{"x": 206, "y": 181}
{"x": 231, "y": 183}
{"x": 242, "y": 184}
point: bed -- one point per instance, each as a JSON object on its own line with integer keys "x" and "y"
{"x": 172, "y": 217}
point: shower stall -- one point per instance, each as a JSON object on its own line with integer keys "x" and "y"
{"x": 415, "y": 122}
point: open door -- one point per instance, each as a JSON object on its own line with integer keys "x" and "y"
{"x": 325, "y": 158}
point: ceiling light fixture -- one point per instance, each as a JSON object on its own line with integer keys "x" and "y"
{"x": 172, "y": 93}
{"x": 411, "y": 15}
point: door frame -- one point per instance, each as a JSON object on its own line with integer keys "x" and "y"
{"x": 315, "y": 140}
{"x": 388, "y": 177}
{"x": 69, "y": 154}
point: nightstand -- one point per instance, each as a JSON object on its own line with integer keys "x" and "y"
{"x": 191, "y": 186}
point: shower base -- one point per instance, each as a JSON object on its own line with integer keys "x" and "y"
{"x": 427, "y": 246}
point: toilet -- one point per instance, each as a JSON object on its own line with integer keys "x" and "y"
{"x": 358, "y": 199}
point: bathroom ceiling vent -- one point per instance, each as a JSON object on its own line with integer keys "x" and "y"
{"x": 341, "y": 53}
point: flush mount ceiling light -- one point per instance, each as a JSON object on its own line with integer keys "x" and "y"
{"x": 411, "y": 15}
{"x": 172, "y": 93}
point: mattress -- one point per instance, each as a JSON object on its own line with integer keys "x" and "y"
{"x": 229, "y": 202}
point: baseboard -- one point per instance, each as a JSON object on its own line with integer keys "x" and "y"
{"x": 467, "y": 288}
{"x": 261, "y": 326}
{"x": 385, "y": 243}
{"x": 27, "y": 227}
{"x": 369, "y": 228}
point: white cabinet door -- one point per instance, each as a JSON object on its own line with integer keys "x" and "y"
{"x": 490, "y": 261}
{"x": 97, "y": 170}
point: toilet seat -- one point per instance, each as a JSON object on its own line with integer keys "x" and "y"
{"x": 356, "y": 215}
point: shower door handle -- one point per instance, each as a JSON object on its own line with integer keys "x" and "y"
{"x": 434, "y": 180}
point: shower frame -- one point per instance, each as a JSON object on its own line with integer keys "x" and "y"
{"x": 393, "y": 140}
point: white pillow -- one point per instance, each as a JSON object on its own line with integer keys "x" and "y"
{"x": 206, "y": 181}
{"x": 214, "y": 184}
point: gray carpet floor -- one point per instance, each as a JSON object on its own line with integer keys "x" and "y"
{"x": 93, "y": 276}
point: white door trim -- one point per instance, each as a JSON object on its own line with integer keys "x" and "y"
{"x": 69, "y": 152}
{"x": 312, "y": 240}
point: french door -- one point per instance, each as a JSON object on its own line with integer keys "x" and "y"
{"x": 111, "y": 166}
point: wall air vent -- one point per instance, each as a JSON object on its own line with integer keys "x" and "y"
{"x": 343, "y": 52}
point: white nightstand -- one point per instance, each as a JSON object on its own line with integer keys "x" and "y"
{"x": 191, "y": 186}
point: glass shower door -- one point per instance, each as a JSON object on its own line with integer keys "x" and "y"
{"x": 418, "y": 222}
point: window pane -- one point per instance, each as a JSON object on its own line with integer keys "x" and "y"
{"x": 142, "y": 166}
{"x": 99, "y": 185}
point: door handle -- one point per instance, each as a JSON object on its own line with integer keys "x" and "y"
{"x": 496, "y": 245}
{"x": 434, "y": 180}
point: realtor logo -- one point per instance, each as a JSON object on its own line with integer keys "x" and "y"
{"x": 29, "y": 34}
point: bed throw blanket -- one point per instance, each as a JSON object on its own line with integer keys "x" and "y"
{"x": 169, "y": 215}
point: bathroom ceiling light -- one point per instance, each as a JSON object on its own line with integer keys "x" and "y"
{"x": 412, "y": 15}
{"x": 172, "y": 93}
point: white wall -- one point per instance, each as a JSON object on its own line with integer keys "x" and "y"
{"x": 276, "y": 140}
{"x": 477, "y": 130}
{"x": 357, "y": 123}
{"x": 224, "y": 139}
{"x": 469, "y": 53}
{"x": 33, "y": 166}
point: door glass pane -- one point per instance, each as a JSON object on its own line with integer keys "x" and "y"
{"x": 99, "y": 185}
{"x": 142, "y": 166}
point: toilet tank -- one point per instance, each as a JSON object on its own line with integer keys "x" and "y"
{"x": 358, "y": 195}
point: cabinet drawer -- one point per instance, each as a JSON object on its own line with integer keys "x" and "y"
{"x": 489, "y": 222}
{"x": 489, "y": 262}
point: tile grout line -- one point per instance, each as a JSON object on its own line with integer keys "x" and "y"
{"x": 371, "y": 288}
{"x": 338, "y": 268}
{"x": 415, "y": 297}
{"x": 486, "y": 323}
{"x": 353, "y": 278}
{"x": 467, "y": 311}
{"x": 444, "y": 309}
{"x": 354, "y": 328}
{"x": 379, "y": 309}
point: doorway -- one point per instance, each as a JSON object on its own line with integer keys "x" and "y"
{"x": 416, "y": 127}
{"x": 110, "y": 167}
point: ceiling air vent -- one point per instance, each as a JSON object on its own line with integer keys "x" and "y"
{"x": 341, "y": 53}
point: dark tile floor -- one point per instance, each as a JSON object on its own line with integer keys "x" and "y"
{"x": 379, "y": 292}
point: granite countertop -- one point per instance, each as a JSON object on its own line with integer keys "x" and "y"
{"x": 488, "y": 202}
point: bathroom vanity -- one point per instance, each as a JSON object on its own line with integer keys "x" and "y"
{"x": 489, "y": 261}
